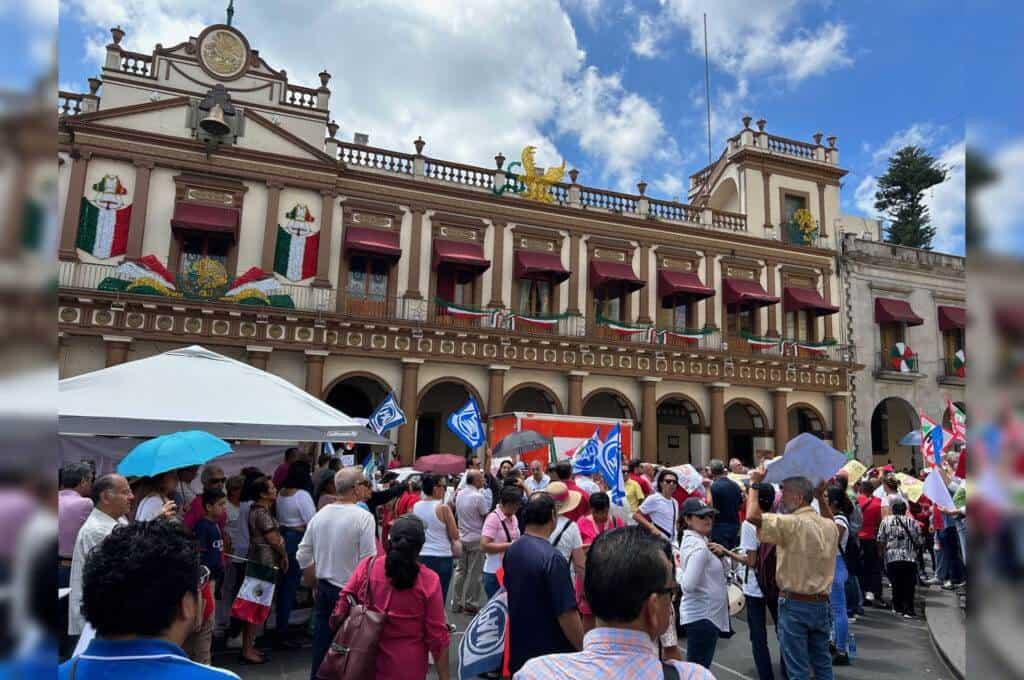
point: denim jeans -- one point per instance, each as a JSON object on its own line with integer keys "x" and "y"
{"x": 961, "y": 534}
{"x": 442, "y": 566}
{"x": 951, "y": 559}
{"x": 854, "y": 598}
{"x": 701, "y": 640}
{"x": 803, "y": 636}
{"x": 757, "y": 622}
{"x": 491, "y": 584}
{"x": 289, "y": 580}
{"x": 326, "y": 598}
{"x": 837, "y": 600}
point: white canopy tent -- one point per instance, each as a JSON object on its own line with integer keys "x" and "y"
{"x": 194, "y": 388}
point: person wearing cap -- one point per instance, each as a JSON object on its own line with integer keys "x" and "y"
{"x": 704, "y": 610}
{"x": 566, "y": 537}
{"x": 727, "y": 499}
{"x": 806, "y": 547}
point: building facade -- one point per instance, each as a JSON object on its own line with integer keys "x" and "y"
{"x": 205, "y": 199}
{"x": 907, "y": 314}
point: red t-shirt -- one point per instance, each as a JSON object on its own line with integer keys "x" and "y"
{"x": 405, "y": 503}
{"x": 645, "y": 484}
{"x": 584, "y": 507}
{"x": 871, "y": 508}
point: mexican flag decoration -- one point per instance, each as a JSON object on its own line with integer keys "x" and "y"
{"x": 103, "y": 221}
{"x": 257, "y": 592}
{"x": 901, "y": 357}
{"x": 533, "y": 322}
{"x": 255, "y": 285}
{"x": 492, "y": 316}
{"x": 960, "y": 364}
{"x": 296, "y": 249}
{"x": 145, "y": 276}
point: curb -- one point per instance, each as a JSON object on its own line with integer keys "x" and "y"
{"x": 938, "y": 648}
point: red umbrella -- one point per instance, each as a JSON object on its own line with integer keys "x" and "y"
{"x": 441, "y": 464}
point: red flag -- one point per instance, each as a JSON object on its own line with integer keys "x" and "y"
{"x": 961, "y": 465}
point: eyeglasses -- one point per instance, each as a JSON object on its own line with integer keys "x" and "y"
{"x": 670, "y": 481}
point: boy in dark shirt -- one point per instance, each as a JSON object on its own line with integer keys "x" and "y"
{"x": 207, "y": 531}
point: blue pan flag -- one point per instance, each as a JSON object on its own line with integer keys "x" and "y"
{"x": 467, "y": 424}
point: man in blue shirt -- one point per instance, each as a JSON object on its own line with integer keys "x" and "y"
{"x": 140, "y": 591}
{"x": 543, "y": 618}
{"x": 726, "y": 497}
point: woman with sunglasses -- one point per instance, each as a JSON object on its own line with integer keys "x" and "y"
{"x": 704, "y": 609}
{"x": 659, "y": 513}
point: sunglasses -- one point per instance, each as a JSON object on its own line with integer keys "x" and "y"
{"x": 670, "y": 481}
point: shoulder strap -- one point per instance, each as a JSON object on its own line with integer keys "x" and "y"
{"x": 668, "y": 671}
{"x": 558, "y": 538}
{"x": 501, "y": 521}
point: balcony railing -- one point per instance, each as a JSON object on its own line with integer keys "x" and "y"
{"x": 137, "y": 64}
{"x": 69, "y": 103}
{"x": 607, "y": 200}
{"x": 302, "y": 97}
{"x": 790, "y": 233}
{"x": 721, "y": 219}
{"x": 457, "y": 173}
{"x": 953, "y": 368}
{"x": 674, "y": 212}
{"x": 791, "y": 147}
{"x": 376, "y": 159}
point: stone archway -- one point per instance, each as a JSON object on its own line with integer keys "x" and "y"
{"x": 356, "y": 394}
{"x": 679, "y": 419}
{"x": 803, "y": 417}
{"x": 745, "y": 425}
{"x": 532, "y": 398}
{"x": 605, "y": 402}
{"x": 726, "y": 196}
{"x": 436, "y": 402}
{"x": 891, "y": 419}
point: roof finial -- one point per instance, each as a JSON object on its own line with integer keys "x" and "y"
{"x": 231, "y": 11}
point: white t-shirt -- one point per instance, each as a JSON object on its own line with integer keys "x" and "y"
{"x": 336, "y": 540}
{"x": 587, "y": 484}
{"x": 842, "y": 522}
{"x": 149, "y": 508}
{"x": 295, "y": 510}
{"x": 749, "y": 544}
{"x": 570, "y": 539}
{"x": 664, "y": 512}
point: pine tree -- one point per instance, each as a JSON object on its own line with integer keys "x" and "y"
{"x": 900, "y": 196}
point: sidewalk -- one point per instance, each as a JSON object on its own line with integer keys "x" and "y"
{"x": 947, "y": 628}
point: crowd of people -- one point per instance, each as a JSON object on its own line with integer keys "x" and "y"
{"x": 592, "y": 586}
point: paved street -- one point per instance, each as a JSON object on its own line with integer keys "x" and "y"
{"x": 887, "y": 647}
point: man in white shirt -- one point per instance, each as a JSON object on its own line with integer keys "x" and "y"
{"x": 537, "y": 481}
{"x": 337, "y": 539}
{"x": 659, "y": 513}
{"x": 113, "y": 500}
{"x": 471, "y": 508}
{"x": 587, "y": 483}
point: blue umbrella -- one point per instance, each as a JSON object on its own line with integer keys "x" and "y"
{"x": 172, "y": 451}
{"x": 912, "y": 438}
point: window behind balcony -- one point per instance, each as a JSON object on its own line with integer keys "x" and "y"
{"x": 790, "y": 204}
{"x": 953, "y": 340}
{"x": 800, "y": 325}
{"x": 196, "y": 245}
{"x": 741, "y": 320}
{"x": 367, "y": 278}
{"x": 676, "y": 312}
{"x": 534, "y": 297}
{"x": 608, "y": 302}
{"x": 456, "y": 285}
{"x": 891, "y": 333}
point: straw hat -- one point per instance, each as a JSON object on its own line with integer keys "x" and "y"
{"x": 566, "y": 500}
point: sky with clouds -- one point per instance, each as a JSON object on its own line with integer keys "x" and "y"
{"x": 617, "y": 88}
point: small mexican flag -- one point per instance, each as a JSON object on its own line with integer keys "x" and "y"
{"x": 257, "y": 592}
{"x": 294, "y": 255}
{"x": 103, "y": 229}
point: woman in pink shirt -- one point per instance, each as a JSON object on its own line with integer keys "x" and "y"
{"x": 591, "y": 526}
{"x": 410, "y": 594}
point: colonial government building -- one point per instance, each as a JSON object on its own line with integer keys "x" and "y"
{"x": 205, "y": 199}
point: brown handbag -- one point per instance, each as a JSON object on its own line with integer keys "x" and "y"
{"x": 353, "y": 652}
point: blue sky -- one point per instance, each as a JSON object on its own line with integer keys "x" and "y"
{"x": 617, "y": 89}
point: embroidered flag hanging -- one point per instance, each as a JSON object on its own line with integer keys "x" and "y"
{"x": 296, "y": 250}
{"x": 103, "y": 221}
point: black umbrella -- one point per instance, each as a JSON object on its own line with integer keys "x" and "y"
{"x": 518, "y": 443}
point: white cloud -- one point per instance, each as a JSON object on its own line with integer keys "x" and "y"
{"x": 918, "y": 134}
{"x": 471, "y": 78}
{"x": 671, "y": 186}
{"x": 864, "y": 196}
{"x": 648, "y": 35}
{"x": 614, "y": 124}
{"x": 761, "y": 38}
{"x": 1001, "y": 203}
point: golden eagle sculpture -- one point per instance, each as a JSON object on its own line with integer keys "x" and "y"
{"x": 538, "y": 187}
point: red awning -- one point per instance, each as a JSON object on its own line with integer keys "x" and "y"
{"x": 605, "y": 273}
{"x": 460, "y": 253}
{"x": 543, "y": 266}
{"x": 746, "y": 293}
{"x": 205, "y": 218}
{"x": 951, "y": 318}
{"x": 888, "y": 310}
{"x": 373, "y": 241}
{"x": 794, "y": 298}
{"x": 682, "y": 283}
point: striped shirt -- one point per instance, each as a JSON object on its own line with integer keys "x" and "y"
{"x": 610, "y": 654}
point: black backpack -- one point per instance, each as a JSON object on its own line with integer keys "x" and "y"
{"x": 764, "y": 569}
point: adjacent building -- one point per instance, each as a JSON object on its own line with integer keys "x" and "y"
{"x": 906, "y": 310}
{"x": 206, "y": 199}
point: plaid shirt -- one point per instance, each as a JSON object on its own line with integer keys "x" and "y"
{"x": 610, "y": 654}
